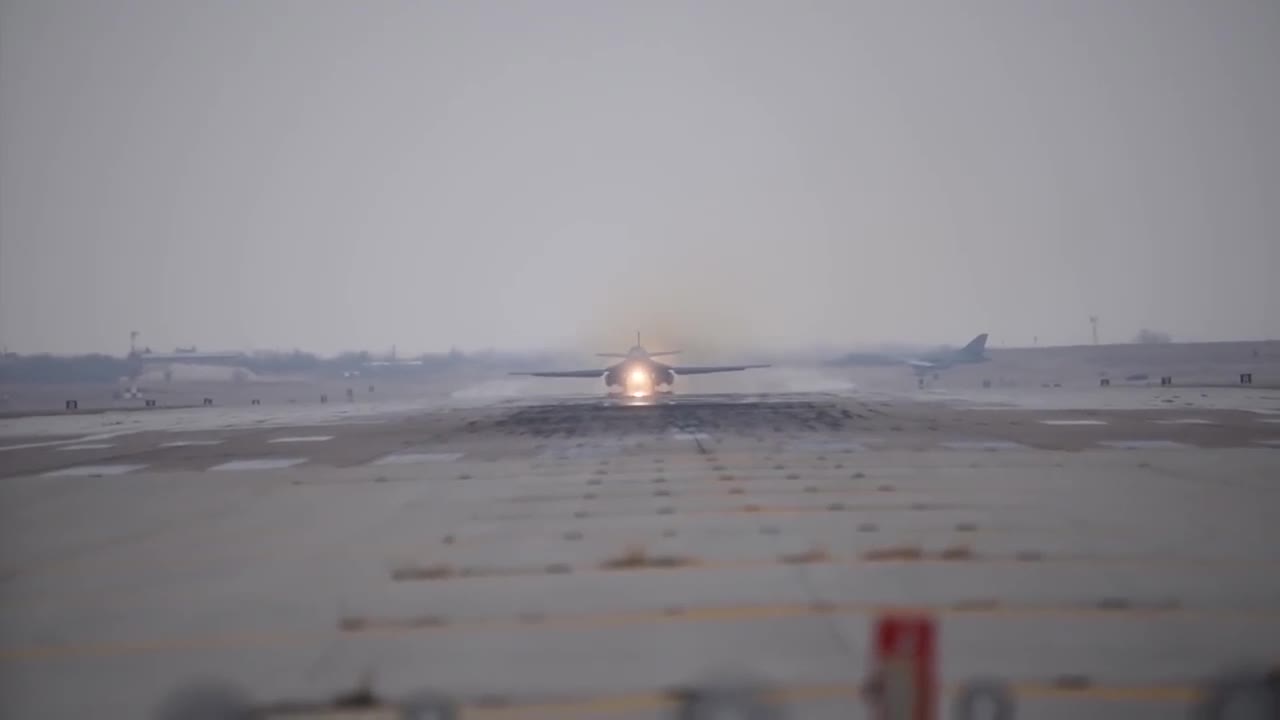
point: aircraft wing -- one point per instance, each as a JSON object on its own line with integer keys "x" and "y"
{"x": 707, "y": 369}
{"x": 564, "y": 373}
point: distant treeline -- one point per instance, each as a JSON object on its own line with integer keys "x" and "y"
{"x": 45, "y": 368}
{"x": 16, "y": 368}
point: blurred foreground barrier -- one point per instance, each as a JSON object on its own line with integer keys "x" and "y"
{"x": 218, "y": 701}
{"x": 985, "y": 699}
{"x": 1241, "y": 694}
{"x": 728, "y": 698}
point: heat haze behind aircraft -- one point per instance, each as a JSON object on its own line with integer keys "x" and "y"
{"x": 639, "y": 374}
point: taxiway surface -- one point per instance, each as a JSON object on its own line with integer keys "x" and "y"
{"x": 576, "y": 557}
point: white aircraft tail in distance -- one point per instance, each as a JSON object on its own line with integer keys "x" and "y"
{"x": 941, "y": 359}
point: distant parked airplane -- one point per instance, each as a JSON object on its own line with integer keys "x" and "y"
{"x": 941, "y": 359}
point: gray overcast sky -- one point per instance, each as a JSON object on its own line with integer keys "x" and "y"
{"x": 333, "y": 175}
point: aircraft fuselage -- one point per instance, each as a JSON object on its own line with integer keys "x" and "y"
{"x": 640, "y": 375}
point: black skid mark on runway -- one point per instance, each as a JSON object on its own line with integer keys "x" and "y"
{"x": 699, "y": 418}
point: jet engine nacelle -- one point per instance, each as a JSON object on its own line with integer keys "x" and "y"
{"x": 611, "y": 378}
{"x": 664, "y": 377}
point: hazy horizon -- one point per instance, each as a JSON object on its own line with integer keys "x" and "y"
{"x": 340, "y": 176}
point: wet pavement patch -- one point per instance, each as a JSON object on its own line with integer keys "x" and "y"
{"x": 983, "y": 445}
{"x": 258, "y": 464}
{"x": 827, "y": 446}
{"x": 410, "y": 458}
{"x": 1143, "y": 444}
{"x": 1072, "y": 682}
{"x": 432, "y": 572}
{"x": 93, "y": 470}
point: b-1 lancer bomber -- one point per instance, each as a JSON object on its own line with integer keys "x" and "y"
{"x": 639, "y": 374}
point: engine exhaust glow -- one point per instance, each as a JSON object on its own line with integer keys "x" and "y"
{"x": 639, "y": 383}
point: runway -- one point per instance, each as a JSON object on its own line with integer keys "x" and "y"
{"x": 577, "y": 557}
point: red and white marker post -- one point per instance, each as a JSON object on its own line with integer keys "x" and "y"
{"x": 904, "y": 667}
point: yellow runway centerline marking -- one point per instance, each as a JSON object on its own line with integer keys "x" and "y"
{"x": 374, "y": 626}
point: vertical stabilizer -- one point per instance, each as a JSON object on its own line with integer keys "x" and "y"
{"x": 975, "y": 347}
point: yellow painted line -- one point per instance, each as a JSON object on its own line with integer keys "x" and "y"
{"x": 710, "y": 489}
{"x": 931, "y": 558}
{"x": 590, "y": 621}
{"x": 107, "y": 650}
{"x": 909, "y": 533}
{"x": 653, "y": 702}
{"x": 1176, "y": 694}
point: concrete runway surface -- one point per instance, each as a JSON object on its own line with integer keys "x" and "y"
{"x": 1102, "y": 554}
